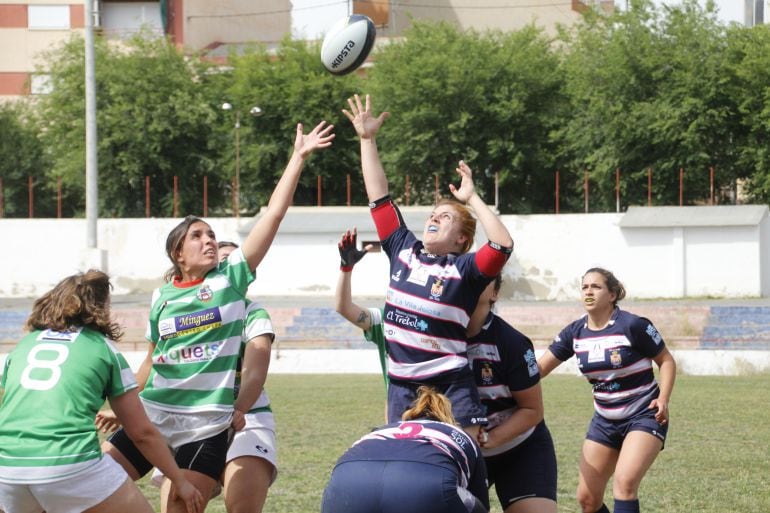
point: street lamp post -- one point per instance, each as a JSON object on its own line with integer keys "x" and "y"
{"x": 254, "y": 111}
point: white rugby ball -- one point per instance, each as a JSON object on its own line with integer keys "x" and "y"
{"x": 347, "y": 44}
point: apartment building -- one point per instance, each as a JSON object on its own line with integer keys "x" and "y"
{"x": 29, "y": 27}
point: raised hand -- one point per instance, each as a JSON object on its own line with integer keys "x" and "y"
{"x": 467, "y": 189}
{"x": 365, "y": 123}
{"x": 349, "y": 254}
{"x": 320, "y": 137}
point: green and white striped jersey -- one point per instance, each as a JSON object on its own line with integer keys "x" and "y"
{"x": 55, "y": 383}
{"x": 197, "y": 329}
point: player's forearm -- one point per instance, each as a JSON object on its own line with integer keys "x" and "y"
{"x": 262, "y": 234}
{"x": 143, "y": 373}
{"x": 256, "y": 362}
{"x": 518, "y": 423}
{"x": 493, "y": 227}
{"x": 375, "y": 181}
{"x": 666, "y": 378}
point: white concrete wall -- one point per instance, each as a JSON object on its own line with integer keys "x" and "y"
{"x": 365, "y": 361}
{"x": 551, "y": 253}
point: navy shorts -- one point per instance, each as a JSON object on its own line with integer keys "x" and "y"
{"x": 612, "y": 432}
{"x": 466, "y": 404}
{"x": 528, "y": 470}
{"x": 392, "y": 487}
{"x": 206, "y": 456}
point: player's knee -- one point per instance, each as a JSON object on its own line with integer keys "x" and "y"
{"x": 625, "y": 486}
{"x": 589, "y": 502}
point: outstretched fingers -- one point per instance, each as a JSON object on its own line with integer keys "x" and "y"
{"x": 320, "y": 137}
{"x": 466, "y": 189}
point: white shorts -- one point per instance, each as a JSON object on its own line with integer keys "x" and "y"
{"x": 183, "y": 428}
{"x": 75, "y": 494}
{"x": 256, "y": 439}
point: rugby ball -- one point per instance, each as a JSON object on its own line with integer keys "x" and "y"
{"x": 347, "y": 44}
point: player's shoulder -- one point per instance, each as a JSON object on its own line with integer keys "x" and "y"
{"x": 631, "y": 320}
{"x": 255, "y": 311}
{"x": 575, "y": 326}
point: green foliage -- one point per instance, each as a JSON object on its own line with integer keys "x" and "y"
{"x": 650, "y": 87}
{"x": 290, "y": 85}
{"x": 650, "y": 91}
{"x": 493, "y": 103}
{"x": 153, "y": 120}
{"x": 21, "y": 157}
{"x": 750, "y": 60}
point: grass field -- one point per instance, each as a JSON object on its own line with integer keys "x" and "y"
{"x": 717, "y": 457}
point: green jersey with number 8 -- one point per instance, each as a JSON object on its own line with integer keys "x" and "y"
{"x": 55, "y": 383}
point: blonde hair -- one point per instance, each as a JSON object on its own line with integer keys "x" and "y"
{"x": 430, "y": 405}
{"x": 467, "y": 221}
{"x": 80, "y": 300}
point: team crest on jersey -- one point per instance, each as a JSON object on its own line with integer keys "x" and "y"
{"x": 486, "y": 374}
{"x": 615, "y": 358}
{"x": 205, "y": 293}
{"x": 437, "y": 289}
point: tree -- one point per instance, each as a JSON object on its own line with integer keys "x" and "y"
{"x": 650, "y": 89}
{"x": 153, "y": 120}
{"x": 490, "y": 99}
{"x": 21, "y": 157}
{"x": 751, "y": 64}
{"x": 290, "y": 85}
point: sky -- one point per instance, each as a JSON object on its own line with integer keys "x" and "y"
{"x": 729, "y": 10}
{"x": 311, "y": 18}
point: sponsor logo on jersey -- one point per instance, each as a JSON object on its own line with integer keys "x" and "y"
{"x": 437, "y": 289}
{"x": 396, "y": 276}
{"x": 205, "y": 293}
{"x": 531, "y": 360}
{"x": 459, "y": 438}
{"x": 407, "y": 320}
{"x": 402, "y": 301}
{"x": 419, "y": 275}
{"x": 609, "y": 386}
{"x": 60, "y": 336}
{"x": 483, "y": 352}
{"x": 191, "y": 354}
{"x": 189, "y": 323}
{"x": 432, "y": 342}
{"x": 654, "y": 335}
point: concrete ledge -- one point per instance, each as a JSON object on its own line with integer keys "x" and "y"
{"x": 365, "y": 361}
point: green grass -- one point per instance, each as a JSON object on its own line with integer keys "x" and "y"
{"x": 717, "y": 457}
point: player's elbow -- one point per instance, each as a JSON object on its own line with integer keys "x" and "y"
{"x": 140, "y": 432}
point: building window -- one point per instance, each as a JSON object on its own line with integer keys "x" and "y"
{"x": 49, "y": 16}
{"x": 40, "y": 83}
{"x": 123, "y": 19}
